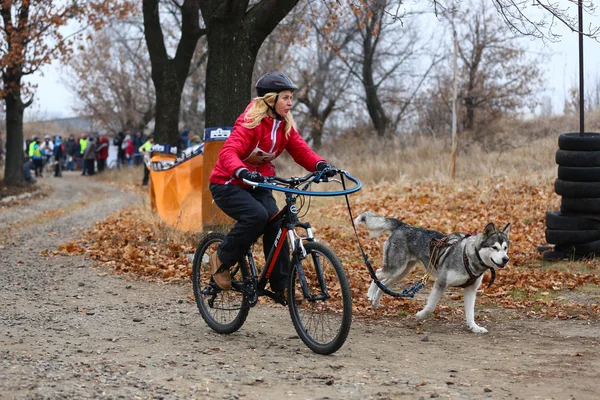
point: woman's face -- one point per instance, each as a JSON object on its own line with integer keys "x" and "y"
{"x": 284, "y": 102}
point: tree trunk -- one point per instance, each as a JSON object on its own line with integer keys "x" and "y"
{"x": 168, "y": 101}
{"x": 169, "y": 74}
{"x": 376, "y": 112}
{"x": 374, "y": 107}
{"x": 316, "y": 134}
{"x": 470, "y": 116}
{"x": 228, "y": 75}
{"x": 13, "y": 170}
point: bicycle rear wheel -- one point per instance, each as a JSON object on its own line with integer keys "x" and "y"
{"x": 322, "y": 319}
{"x": 223, "y": 311}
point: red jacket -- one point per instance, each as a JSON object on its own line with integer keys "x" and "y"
{"x": 102, "y": 150}
{"x": 255, "y": 148}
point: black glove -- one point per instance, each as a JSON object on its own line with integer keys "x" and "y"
{"x": 251, "y": 176}
{"x": 321, "y": 165}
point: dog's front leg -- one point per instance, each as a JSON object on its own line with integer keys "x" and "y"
{"x": 469, "y": 295}
{"x": 439, "y": 287}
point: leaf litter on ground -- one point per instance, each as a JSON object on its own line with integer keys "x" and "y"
{"x": 137, "y": 243}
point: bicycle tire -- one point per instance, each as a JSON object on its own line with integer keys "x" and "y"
{"x": 309, "y": 316}
{"x": 230, "y": 308}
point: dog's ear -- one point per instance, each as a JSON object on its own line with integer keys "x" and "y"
{"x": 506, "y": 229}
{"x": 489, "y": 230}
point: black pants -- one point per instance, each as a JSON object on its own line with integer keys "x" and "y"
{"x": 38, "y": 166}
{"x": 58, "y": 168}
{"x": 251, "y": 208}
{"x": 89, "y": 166}
{"x": 146, "y": 176}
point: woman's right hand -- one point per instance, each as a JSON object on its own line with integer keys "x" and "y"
{"x": 253, "y": 176}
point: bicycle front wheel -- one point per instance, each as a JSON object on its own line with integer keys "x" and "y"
{"x": 322, "y": 318}
{"x": 223, "y": 311}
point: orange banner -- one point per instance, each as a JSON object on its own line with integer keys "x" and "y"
{"x": 176, "y": 194}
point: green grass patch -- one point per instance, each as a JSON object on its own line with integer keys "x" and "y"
{"x": 579, "y": 267}
{"x": 590, "y": 288}
{"x": 519, "y": 294}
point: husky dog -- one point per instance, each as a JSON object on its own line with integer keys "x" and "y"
{"x": 455, "y": 260}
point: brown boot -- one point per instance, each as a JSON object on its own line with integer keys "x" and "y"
{"x": 221, "y": 278}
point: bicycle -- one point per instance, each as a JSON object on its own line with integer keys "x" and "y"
{"x": 318, "y": 293}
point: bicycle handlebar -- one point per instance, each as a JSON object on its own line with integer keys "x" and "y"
{"x": 290, "y": 185}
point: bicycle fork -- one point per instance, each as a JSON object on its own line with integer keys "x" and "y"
{"x": 299, "y": 254}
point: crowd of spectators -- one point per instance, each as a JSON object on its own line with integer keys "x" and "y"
{"x": 88, "y": 153}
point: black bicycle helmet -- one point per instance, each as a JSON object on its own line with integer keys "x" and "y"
{"x": 275, "y": 82}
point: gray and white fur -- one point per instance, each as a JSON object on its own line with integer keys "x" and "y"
{"x": 408, "y": 246}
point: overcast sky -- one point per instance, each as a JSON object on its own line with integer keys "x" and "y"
{"x": 54, "y": 100}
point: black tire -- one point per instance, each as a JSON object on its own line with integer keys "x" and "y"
{"x": 322, "y": 324}
{"x": 562, "y": 256}
{"x": 568, "y": 158}
{"x": 555, "y": 256}
{"x": 579, "y": 174}
{"x": 588, "y": 248}
{"x": 575, "y": 142}
{"x": 560, "y": 221}
{"x": 589, "y": 205}
{"x": 577, "y": 189}
{"x": 223, "y": 311}
{"x": 556, "y": 236}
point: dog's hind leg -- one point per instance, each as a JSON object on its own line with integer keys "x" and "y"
{"x": 469, "y": 294}
{"x": 393, "y": 269}
{"x": 374, "y": 294}
{"x": 384, "y": 277}
{"x": 439, "y": 287}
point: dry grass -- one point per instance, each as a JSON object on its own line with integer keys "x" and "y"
{"x": 388, "y": 161}
{"x": 124, "y": 176}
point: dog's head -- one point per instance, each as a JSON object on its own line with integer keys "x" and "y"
{"x": 493, "y": 248}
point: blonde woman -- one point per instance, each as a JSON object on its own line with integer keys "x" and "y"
{"x": 260, "y": 134}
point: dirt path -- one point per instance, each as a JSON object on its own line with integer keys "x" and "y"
{"x": 69, "y": 330}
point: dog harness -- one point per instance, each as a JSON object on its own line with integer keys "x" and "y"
{"x": 438, "y": 247}
{"x": 472, "y": 276}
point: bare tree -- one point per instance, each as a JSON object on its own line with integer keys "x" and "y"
{"x": 111, "y": 79}
{"x": 324, "y": 78}
{"x": 31, "y": 36}
{"x": 496, "y": 76}
{"x": 536, "y": 18}
{"x": 388, "y": 53}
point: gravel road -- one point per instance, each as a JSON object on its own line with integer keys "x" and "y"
{"x": 69, "y": 330}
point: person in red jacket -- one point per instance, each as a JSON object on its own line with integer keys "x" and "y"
{"x": 102, "y": 151}
{"x": 259, "y": 135}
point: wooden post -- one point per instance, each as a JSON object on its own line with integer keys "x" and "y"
{"x": 454, "y": 95}
{"x": 212, "y": 217}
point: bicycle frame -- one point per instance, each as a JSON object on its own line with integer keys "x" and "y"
{"x": 287, "y": 217}
{"x": 254, "y": 285}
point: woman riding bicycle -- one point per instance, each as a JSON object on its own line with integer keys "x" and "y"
{"x": 260, "y": 134}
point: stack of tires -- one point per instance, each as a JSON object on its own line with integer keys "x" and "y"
{"x": 575, "y": 229}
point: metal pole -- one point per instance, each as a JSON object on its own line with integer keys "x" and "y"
{"x": 581, "y": 91}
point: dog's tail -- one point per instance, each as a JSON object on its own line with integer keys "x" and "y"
{"x": 376, "y": 224}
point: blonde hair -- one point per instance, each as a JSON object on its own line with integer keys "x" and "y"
{"x": 258, "y": 110}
